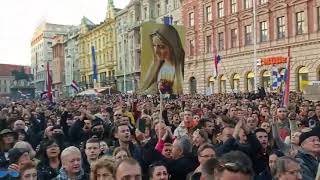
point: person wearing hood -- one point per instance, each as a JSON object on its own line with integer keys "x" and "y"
{"x": 166, "y": 71}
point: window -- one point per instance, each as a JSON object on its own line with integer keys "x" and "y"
{"x": 248, "y": 34}
{"x": 221, "y": 41}
{"x": 247, "y": 4}
{"x": 145, "y": 12}
{"x": 233, "y": 6}
{"x": 263, "y": 31}
{"x": 318, "y": 17}
{"x": 209, "y": 44}
{"x": 191, "y": 47}
{"x": 208, "y": 13}
{"x": 158, "y": 10}
{"x": 299, "y": 23}
{"x": 233, "y": 38}
{"x": 166, "y": 5}
{"x": 280, "y": 27}
{"x": 175, "y": 4}
{"x": 220, "y": 9}
{"x": 191, "y": 19}
{"x": 263, "y": 1}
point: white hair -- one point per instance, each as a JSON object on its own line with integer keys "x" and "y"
{"x": 68, "y": 151}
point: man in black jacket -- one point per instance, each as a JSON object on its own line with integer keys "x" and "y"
{"x": 183, "y": 161}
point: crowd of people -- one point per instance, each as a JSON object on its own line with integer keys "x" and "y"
{"x": 188, "y": 137}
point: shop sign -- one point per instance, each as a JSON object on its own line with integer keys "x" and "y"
{"x": 273, "y": 60}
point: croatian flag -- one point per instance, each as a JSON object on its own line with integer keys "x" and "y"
{"x": 75, "y": 86}
{"x": 217, "y": 60}
{"x": 285, "y": 101}
{"x": 276, "y": 78}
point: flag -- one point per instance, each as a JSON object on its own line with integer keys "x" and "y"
{"x": 167, "y": 20}
{"x": 44, "y": 95}
{"x": 276, "y": 78}
{"x": 21, "y": 93}
{"x": 94, "y": 65}
{"x": 49, "y": 83}
{"x": 217, "y": 60}
{"x": 75, "y": 86}
{"x": 285, "y": 101}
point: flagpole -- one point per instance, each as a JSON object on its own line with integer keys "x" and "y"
{"x": 255, "y": 47}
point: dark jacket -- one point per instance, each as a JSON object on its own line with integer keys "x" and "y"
{"x": 309, "y": 165}
{"x": 4, "y": 162}
{"x": 45, "y": 172}
{"x": 180, "y": 168}
{"x": 264, "y": 175}
{"x": 232, "y": 145}
{"x": 76, "y": 134}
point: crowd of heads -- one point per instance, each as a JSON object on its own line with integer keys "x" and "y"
{"x": 140, "y": 137}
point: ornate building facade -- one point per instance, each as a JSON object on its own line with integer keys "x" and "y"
{"x": 41, "y": 51}
{"x": 225, "y": 28}
{"x": 102, "y": 37}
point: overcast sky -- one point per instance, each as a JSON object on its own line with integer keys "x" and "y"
{"x": 19, "y": 18}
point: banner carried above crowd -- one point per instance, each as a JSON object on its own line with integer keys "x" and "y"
{"x": 162, "y": 59}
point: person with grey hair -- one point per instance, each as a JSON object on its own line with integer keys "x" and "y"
{"x": 71, "y": 165}
{"x": 234, "y": 165}
{"x": 287, "y": 168}
{"x": 183, "y": 161}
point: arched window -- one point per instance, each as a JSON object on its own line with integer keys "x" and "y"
{"x": 223, "y": 84}
{"x": 266, "y": 79}
{"x": 250, "y": 81}
{"x": 193, "y": 85}
{"x": 211, "y": 84}
{"x": 236, "y": 82}
{"x": 302, "y": 77}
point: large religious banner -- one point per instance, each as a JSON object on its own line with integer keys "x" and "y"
{"x": 162, "y": 59}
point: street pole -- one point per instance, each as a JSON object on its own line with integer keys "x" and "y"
{"x": 255, "y": 47}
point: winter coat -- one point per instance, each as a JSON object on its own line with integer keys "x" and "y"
{"x": 45, "y": 172}
{"x": 309, "y": 165}
{"x": 180, "y": 168}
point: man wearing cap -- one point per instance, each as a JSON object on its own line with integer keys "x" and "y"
{"x": 17, "y": 158}
{"x": 7, "y": 139}
{"x": 309, "y": 153}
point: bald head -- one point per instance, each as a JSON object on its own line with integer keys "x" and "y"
{"x": 19, "y": 124}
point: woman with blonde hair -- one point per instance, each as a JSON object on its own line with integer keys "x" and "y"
{"x": 102, "y": 169}
{"x": 166, "y": 71}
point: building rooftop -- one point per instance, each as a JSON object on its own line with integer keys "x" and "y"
{"x": 6, "y": 69}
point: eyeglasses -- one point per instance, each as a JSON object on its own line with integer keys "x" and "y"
{"x": 117, "y": 114}
{"x": 10, "y": 173}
